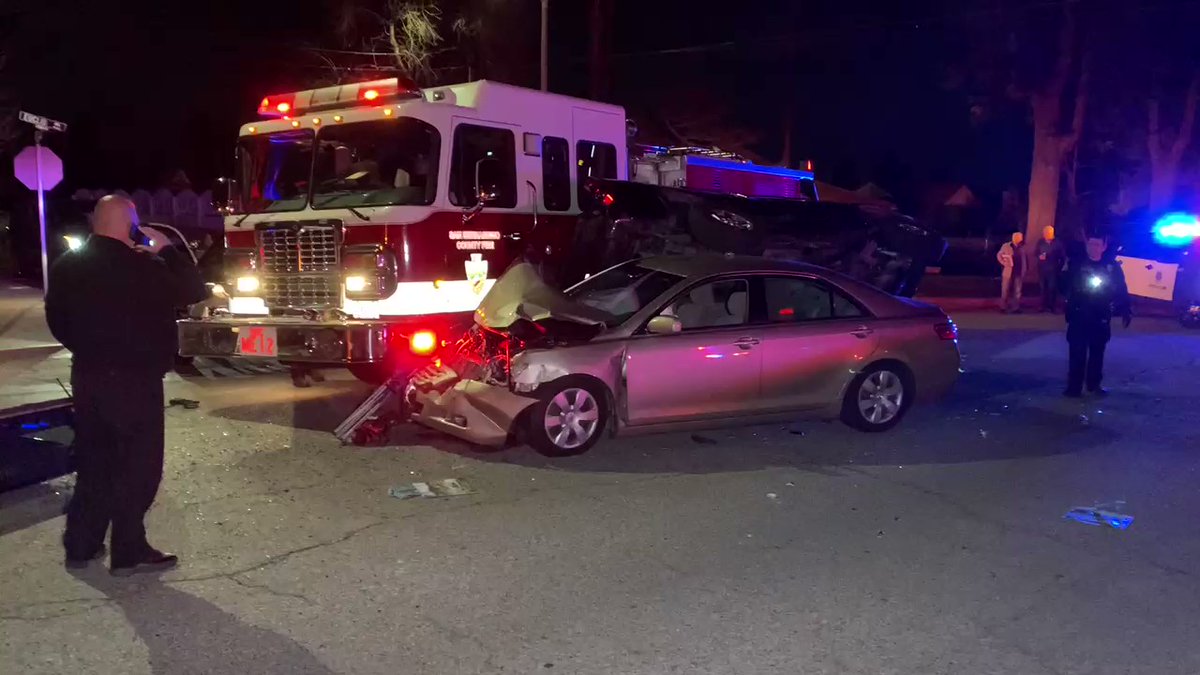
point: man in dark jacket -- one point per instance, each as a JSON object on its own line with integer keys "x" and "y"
{"x": 1050, "y": 259}
{"x": 1096, "y": 291}
{"x": 113, "y": 303}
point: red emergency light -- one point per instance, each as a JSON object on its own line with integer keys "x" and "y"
{"x": 374, "y": 92}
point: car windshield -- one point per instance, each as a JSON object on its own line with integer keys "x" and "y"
{"x": 274, "y": 170}
{"x": 376, "y": 163}
{"x": 623, "y": 290}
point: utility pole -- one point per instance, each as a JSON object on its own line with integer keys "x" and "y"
{"x": 545, "y": 45}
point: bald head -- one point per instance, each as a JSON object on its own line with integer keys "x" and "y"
{"x": 113, "y": 217}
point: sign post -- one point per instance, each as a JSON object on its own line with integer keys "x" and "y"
{"x": 40, "y": 170}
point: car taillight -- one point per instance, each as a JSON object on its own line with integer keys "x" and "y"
{"x": 946, "y": 330}
{"x": 423, "y": 342}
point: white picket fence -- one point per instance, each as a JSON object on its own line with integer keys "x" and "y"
{"x": 185, "y": 210}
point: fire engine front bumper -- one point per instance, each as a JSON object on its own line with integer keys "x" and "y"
{"x": 292, "y": 339}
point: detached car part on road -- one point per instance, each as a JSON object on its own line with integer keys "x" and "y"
{"x": 673, "y": 342}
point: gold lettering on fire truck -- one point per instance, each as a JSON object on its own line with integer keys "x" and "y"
{"x": 474, "y": 235}
{"x": 477, "y": 272}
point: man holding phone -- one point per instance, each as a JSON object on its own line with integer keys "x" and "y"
{"x": 113, "y": 303}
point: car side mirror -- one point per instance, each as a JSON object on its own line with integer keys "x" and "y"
{"x": 664, "y": 325}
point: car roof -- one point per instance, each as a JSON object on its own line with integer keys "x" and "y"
{"x": 880, "y": 303}
{"x": 704, "y": 264}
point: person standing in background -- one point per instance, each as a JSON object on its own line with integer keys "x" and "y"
{"x": 1051, "y": 258}
{"x": 1012, "y": 276}
{"x": 1095, "y": 288}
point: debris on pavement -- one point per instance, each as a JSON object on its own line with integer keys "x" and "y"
{"x": 1083, "y": 419}
{"x": 983, "y": 433}
{"x": 1101, "y": 514}
{"x": 447, "y": 487}
{"x": 185, "y": 403}
{"x": 703, "y": 440}
{"x": 772, "y": 495}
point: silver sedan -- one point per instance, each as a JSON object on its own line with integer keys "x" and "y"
{"x": 679, "y": 342}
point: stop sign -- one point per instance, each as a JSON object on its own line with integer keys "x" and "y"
{"x": 25, "y": 166}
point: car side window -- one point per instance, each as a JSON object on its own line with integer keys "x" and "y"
{"x": 556, "y": 173}
{"x": 712, "y": 305}
{"x": 792, "y": 299}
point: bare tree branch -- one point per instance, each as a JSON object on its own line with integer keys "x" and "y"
{"x": 1066, "y": 51}
{"x": 1071, "y": 141}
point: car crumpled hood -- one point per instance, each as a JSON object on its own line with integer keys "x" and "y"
{"x": 521, "y": 295}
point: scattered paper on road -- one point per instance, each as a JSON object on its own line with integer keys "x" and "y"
{"x": 1101, "y": 514}
{"x": 447, "y": 487}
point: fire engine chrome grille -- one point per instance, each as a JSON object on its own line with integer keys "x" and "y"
{"x": 302, "y": 290}
{"x": 301, "y": 263}
{"x": 301, "y": 248}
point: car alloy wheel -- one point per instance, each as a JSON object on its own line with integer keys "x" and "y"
{"x": 881, "y": 397}
{"x": 572, "y": 418}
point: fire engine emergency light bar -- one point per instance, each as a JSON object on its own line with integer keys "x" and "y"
{"x": 374, "y": 92}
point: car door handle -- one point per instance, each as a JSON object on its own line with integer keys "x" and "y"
{"x": 746, "y": 342}
{"x": 862, "y": 332}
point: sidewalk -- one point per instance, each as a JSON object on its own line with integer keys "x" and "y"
{"x": 22, "y": 320}
{"x": 32, "y": 362}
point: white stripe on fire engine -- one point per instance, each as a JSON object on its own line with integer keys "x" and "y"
{"x": 421, "y": 297}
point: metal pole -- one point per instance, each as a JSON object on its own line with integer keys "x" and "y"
{"x": 545, "y": 45}
{"x": 41, "y": 200}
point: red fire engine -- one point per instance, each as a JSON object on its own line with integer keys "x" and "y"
{"x": 371, "y": 218}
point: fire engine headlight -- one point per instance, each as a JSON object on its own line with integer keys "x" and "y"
{"x": 356, "y": 284}
{"x": 247, "y": 284}
{"x": 1095, "y": 281}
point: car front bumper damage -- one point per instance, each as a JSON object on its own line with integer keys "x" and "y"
{"x": 470, "y": 410}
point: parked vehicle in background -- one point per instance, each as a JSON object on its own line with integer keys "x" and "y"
{"x": 671, "y": 342}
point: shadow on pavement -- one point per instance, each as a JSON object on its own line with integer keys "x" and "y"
{"x": 991, "y": 415}
{"x": 184, "y": 633}
{"x": 31, "y": 505}
{"x": 319, "y": 409}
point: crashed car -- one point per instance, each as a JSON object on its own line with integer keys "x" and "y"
{"x": 662, "y": 343}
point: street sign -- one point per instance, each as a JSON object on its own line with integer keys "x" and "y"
{"x": 42, "y": 123}
{"x": 40, "y": 169}
{"x": 26, "y": 166}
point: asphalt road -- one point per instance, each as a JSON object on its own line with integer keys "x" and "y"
{"x": 938, "y": 548}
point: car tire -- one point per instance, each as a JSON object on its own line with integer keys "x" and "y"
{"x": 878, "y": 398}
{"x": 569, "y": 418}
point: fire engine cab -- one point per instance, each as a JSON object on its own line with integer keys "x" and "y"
{"x": 371, "y": 218}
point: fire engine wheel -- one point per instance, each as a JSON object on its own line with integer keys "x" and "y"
{"x": 569, "y": 418}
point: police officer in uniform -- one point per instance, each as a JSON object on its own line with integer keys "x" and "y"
{"x": 1096, "y": 291}
{"x": 113, "y": 304}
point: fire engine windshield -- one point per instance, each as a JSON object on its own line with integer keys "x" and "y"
{"x": 274, "y": 170}
{"x": 376, "y": 163}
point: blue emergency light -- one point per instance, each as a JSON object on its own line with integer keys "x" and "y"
{"x": 1177, "y": 229}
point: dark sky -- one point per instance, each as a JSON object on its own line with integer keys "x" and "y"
{"x": 149, "y": 86}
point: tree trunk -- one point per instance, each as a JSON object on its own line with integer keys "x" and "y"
{"x": 1164, "y": 178}
{"x": 1043, "y": 187}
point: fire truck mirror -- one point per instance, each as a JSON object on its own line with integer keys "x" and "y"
{"x": 225, "y": 196}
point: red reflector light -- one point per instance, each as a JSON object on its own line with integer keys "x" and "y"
{"x": 608, "y": 199}
{"x": 946, "y": 331}
{"x": 422, "y": 342}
